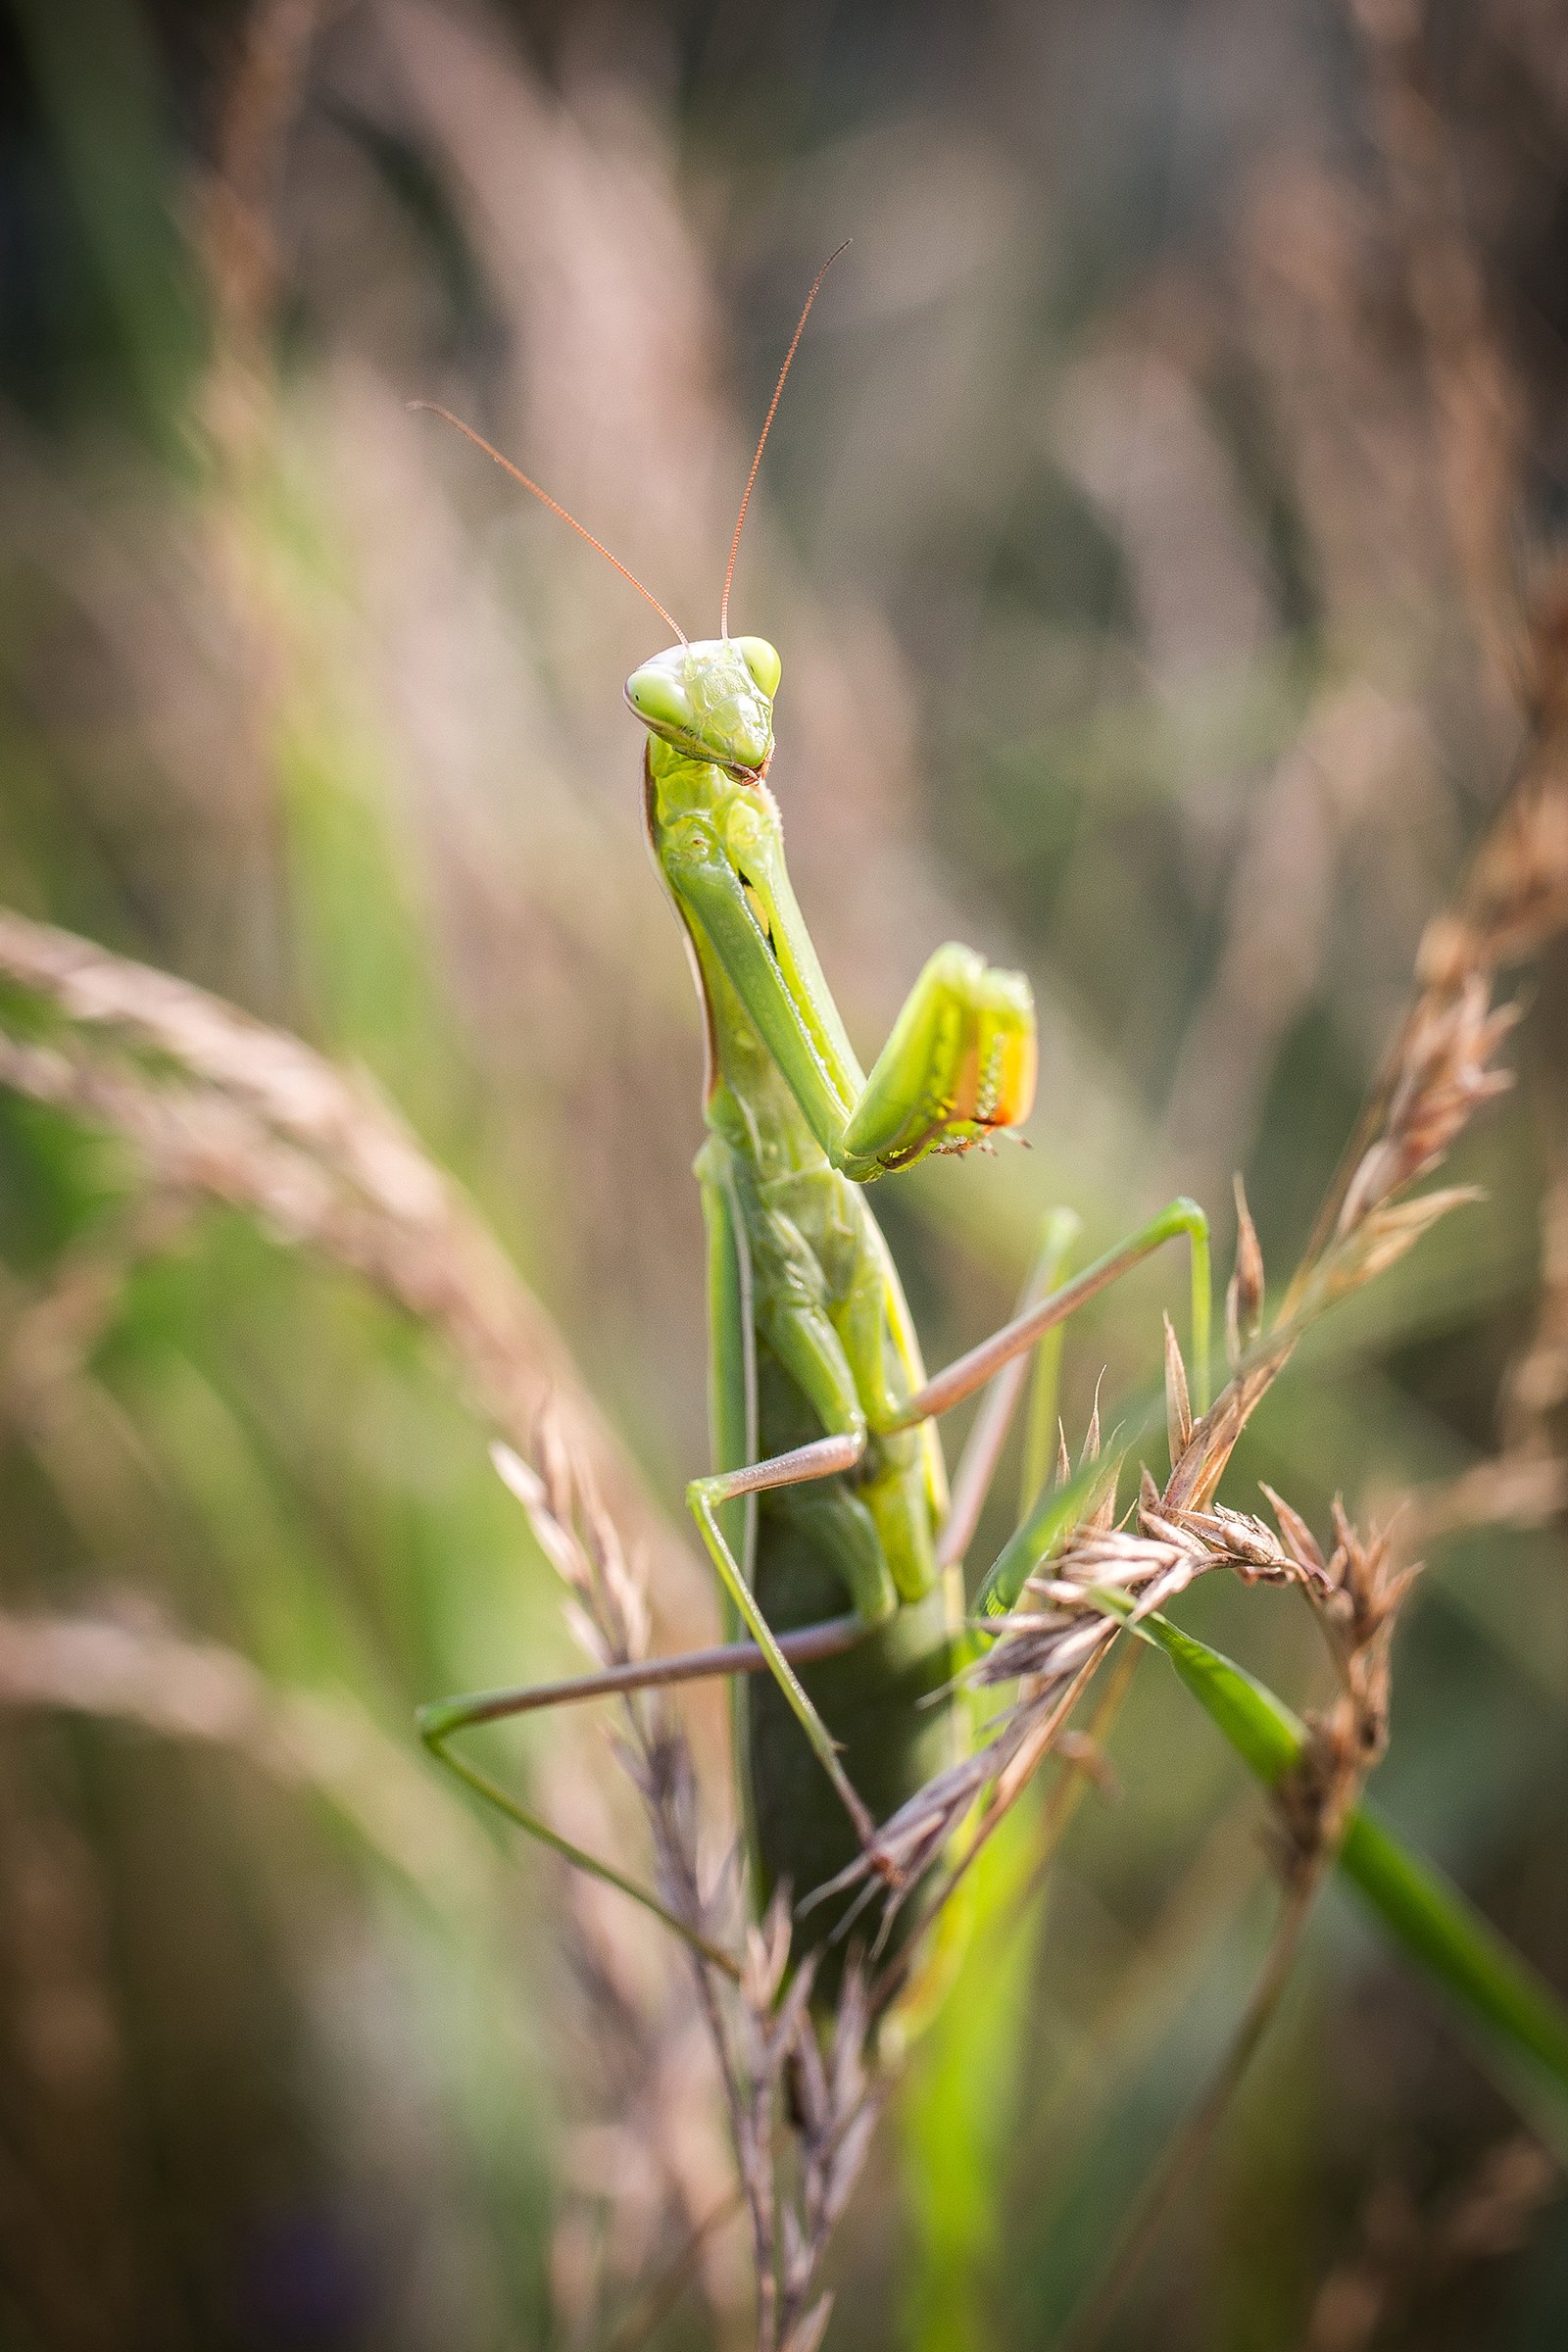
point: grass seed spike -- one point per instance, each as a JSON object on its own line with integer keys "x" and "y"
{"x": 827, "y": 1513}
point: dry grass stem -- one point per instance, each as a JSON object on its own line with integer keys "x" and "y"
{"x": 217, "y": 1107}
{"x": 1098, "y": 1575}
{"x": 1356, "y": 1591}
{"x": 759, "y": 2020}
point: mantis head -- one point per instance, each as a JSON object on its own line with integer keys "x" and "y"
{"x": 712, "y": 700}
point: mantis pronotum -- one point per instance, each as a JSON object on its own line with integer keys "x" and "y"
{"x": 827, "y": 1514}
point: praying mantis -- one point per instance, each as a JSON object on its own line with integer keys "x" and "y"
{"x": 827, "y": 1515}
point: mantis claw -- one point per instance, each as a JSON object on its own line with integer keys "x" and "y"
{"x": 960, "y": 1064}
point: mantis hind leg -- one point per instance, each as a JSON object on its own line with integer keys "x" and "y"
{"x": 1016, "y": 1337}
{"x": 977, "y": 1466}
{"x": 441, "y": 1723}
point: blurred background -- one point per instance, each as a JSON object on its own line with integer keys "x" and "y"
{"x": 1141, "y": 532}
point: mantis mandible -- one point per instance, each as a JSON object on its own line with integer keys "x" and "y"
{"x": 827, "y": 1515}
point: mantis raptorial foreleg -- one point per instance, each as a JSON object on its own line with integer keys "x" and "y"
{"x": 964, "y": 1041}
{"x": 959, "y": 1060}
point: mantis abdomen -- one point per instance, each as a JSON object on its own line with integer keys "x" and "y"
{"x": 888, "y": 1703}
{"x": 796, "y": 1259}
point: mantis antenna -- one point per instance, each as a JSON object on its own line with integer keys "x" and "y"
{"x": 434, "y": 409}
{"x": 767, "y": 424}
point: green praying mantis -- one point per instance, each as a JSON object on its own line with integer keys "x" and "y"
{"x": 827, "y": 1515}
{"x": 838, "y": 1544}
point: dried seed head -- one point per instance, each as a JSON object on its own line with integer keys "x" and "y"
{"x": 1102, "y": 1513}
{"x": 1178, "y": 1404}
{"x": 1090, "y": 1445}
{"x": 1443, "y": 1076}
{"x": 1196, "y": 1476}
{"x": 1240, "y": 1542}
{"x": 1244, "y": 1294}
{"x": 1379, "y": 1240}
{"x": 1299, "y": 1540}
{"x": 768, "y": 1951}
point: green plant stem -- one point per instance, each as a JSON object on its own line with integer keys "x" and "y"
{"x": 1516, "y": 2021}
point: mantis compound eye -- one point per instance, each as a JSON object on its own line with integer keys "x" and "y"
{"x": 659, "y": 699}
{"x": 761, "y": 660}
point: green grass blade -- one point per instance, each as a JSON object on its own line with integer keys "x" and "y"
{"x": 1513, "y": 2013}
{"x": 962, "y": 2102}
{"x": 1514, "y": 2018}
